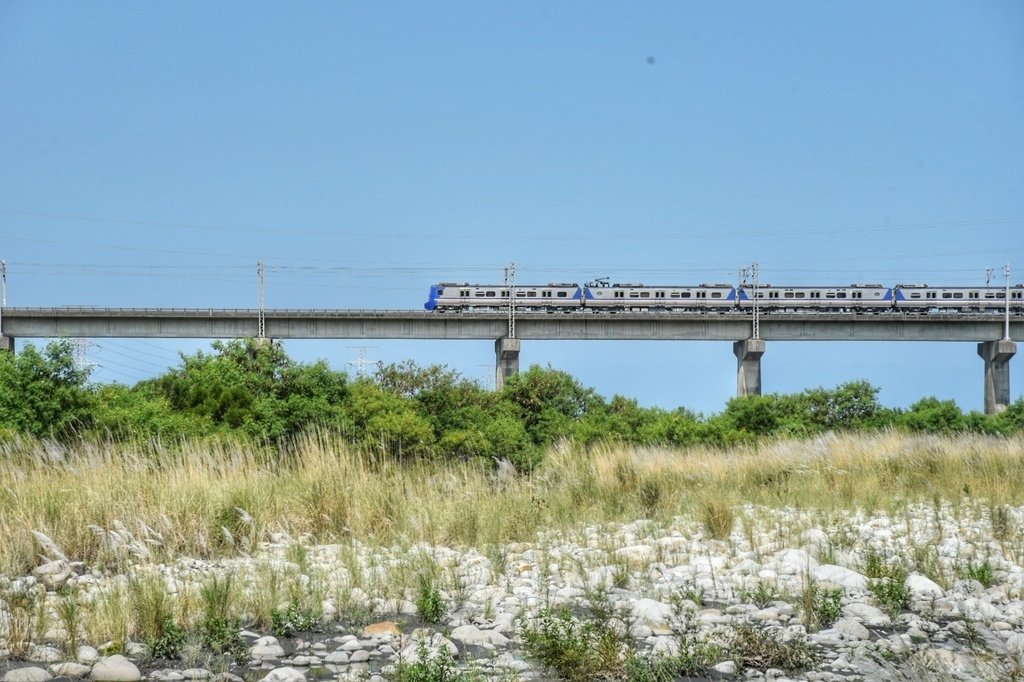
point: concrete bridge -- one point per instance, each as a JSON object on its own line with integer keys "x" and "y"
{"x": 988, "y": 331}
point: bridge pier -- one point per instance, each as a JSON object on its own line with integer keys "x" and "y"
{"x": 6, "y": 343}
{"x": 506, "y": 360}
{"x": 748, "y": 366}
{"x": 996, "y": 355}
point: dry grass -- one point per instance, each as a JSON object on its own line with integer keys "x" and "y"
{"x": 108, "y": 504}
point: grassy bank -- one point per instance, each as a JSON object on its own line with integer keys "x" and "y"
{"x": 104, "y": 503}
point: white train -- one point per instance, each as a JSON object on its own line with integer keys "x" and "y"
{"x": 600, "y": 296}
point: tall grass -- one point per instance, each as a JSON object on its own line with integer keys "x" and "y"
{"x": 106, "y": 504}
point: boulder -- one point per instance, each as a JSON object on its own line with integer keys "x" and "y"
{"x": 115, "y": 668}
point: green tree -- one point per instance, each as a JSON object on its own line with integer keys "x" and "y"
{"x": 44, "y": 394}
{"x": 550, "y": 402}
{"x": 932, "y": 415}
{"x": 850, "y": 405}
{"x": 251, "y": 386}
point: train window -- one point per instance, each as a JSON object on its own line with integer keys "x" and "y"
{"x": 702, "y": 294}
{"x": 840, "y": 294}
{"x": 716, "y": 294}
{"x": 857, "y": 294}
{"x": 645, "y": 294}
{"x": 674, "y": 294}
{"x": 489, "y": 294}
{"x": 958, "y": 294}
{"x": 563, "y": 294}
{"x": 685, "y": 294}
{"x": 789, "y": 294}
{"x": 930, "y": 294}
{"x": 659, "y": 294}
{"x": 773, "y": 294}
{"x": 463, "y": 292}
{"x": 619, "y": 294}
{"x": 946, "y": 294}
{"x": 815, "y": 294}
{"x": 915, "y": 295}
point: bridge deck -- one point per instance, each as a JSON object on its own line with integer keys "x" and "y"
{"x": 581, "y": 325}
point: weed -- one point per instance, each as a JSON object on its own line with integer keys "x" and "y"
{"x": 696, "y": 655}
{"x": 291, "y": 619}
{"x": 22, "y": 617}
{"x": 688, "y": 591}
{"x": 437, "y": 668}
{"x": 890, "y": 590}
{"x": 69, "y": 612}
{"x": 982, "y": 572}
{"x": 108, "y": 619}
{"x": 219, "y": 630}
{"x": 579, "y": 650}
{"x": 760, "y": 648}
{"x": 763, "y": 593}
{"x": 820, "y": 606}
{"x": 718, "y": 518}
{"x": 153, "y": 611}
{"x": 429, "y": 603}
{"x": 1002, "y": 522}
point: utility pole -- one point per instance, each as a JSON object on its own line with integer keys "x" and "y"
{"x": 752, "y": 271}
{"x": 1006, "y": 330}
{"x": 510, "y": 284}
{"x": 3, "y": 293}
{"x": 263, "y": 319}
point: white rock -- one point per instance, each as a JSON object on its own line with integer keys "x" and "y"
{"x": 653, "y": 614}
{"x": 284, "y": 675}
{"x": 72, "y": 670}
{"x": 474, "y": 636}
{"x": 922, "y": 587}
{"x": 839, "y": 575}
{"x": 725, "y": 668}
{"x": 45, "y": 654}
{"x": 87, "y": 655}
{"x": 360, "y": 656}
{"x": 336, "y": 657}
{"x": 53, "y": 574}
{"x": 851, "y": 629}
{"x": 794, "y": 561}
{"x": 31, "y": 674}
{"x": 267, "y": 647}
{"x": 115, "y": 668}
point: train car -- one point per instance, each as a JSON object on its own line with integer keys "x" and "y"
{"x": 603, "y": 296}
{"x": 854, "y": 298}
{"x": 453, "y": 296}
{"x": 925, "y": 298}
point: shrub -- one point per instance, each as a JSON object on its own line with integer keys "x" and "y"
{"x": 293, "y": 618}
{"x": 437, "y": 668}
{"x": 576, "y": 650}
{"x": 429, "y": 603}
{"x": 760, "y": 648}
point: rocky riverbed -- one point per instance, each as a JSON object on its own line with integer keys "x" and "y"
{"x": 926, "y": 592}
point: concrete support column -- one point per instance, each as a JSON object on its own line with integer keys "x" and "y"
{"x": 748, "y": 366}
{"x": 6, "y": 343}
{"x": 506, "y": 360}
{"x": 996, "y": 355}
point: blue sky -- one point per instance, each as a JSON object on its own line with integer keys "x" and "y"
{"x": 153, "y": 153}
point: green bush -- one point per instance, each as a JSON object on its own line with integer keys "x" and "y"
{"x": 429, "y": 603}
